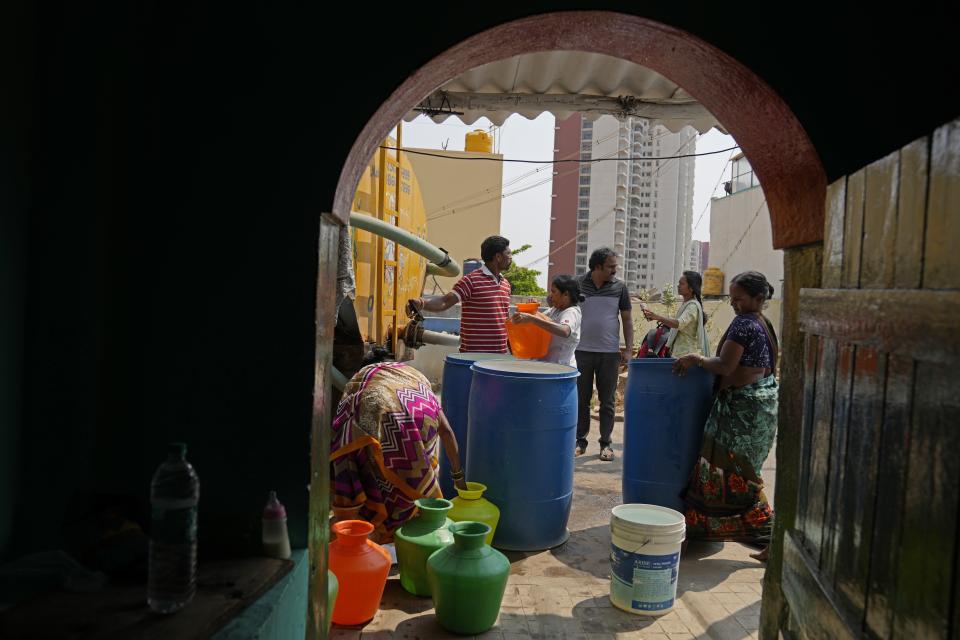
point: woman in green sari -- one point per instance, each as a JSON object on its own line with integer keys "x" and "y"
{"x": 725, "y": 498}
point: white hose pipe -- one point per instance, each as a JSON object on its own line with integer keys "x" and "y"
{"x": 440, "y": 262}
{"x": 440, "y": 338}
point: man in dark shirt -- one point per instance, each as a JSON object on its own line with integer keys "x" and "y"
{"x": 599, "y": 354}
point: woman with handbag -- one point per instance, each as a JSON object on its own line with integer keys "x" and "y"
{"x": 688, "y": 331}
{"x": 724, "y": 497}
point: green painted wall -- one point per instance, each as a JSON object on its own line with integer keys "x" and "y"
{"x": 279, "y": 614}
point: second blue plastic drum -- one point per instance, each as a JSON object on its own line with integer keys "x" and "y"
{"x": 664, "y": 415}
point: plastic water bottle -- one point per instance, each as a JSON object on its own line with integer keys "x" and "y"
{"x": 276, "y": 541}
{"x": 174, "y": 494}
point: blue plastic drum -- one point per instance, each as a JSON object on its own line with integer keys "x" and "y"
{"x": 454, "y": 398}
{"x": 523, "y": 427}
{"x": 664, "y": 416}
{"x": 470, "y": 265}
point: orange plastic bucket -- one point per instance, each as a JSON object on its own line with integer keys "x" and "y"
{"x": 527, "y": 340}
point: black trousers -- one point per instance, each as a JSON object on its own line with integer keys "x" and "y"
{"x": 603, "y": 367}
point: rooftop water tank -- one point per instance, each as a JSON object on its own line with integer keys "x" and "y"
{"x": 480, "y": 141}
{"x": 713, "y": 282}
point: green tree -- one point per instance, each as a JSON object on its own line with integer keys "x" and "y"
{"x": 523, "y": 281}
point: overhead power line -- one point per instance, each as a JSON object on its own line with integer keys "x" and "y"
{"x": 707, "y": 206}
{"x": 441, "y": 213}
{"x": 431, "y": 215}
{"x": 733, "y": 252}
{"x": 607, "y": 213}
{"x": 562, "y": 161}
{"x": 449, "y": 210}
{"x": 573, "y": 239}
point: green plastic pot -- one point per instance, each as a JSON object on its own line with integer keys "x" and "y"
{"x": 468, "y": 579}
{"x": 418, "y": 539}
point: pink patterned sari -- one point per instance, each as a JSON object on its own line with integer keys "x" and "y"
{"x": 384, "y": 446}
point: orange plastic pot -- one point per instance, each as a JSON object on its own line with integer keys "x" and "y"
{"x": 527, "y": 340}
{"x": 361, "y": 567}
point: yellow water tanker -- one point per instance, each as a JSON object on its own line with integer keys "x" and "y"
{"x": 388, "y": 190}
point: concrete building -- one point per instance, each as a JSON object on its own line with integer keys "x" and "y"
{"x": 462, "y": 200}
{"x": 740, "y": 233}
{"x": 698, "y": 256}
{"x": 638, "y": 206}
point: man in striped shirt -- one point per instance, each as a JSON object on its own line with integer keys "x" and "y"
{"x": 485, "y": 298}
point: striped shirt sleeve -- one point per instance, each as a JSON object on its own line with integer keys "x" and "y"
{"x": 463, "y": 288}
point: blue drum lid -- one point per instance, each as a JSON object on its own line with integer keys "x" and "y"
{"x": 526, "y": 369}
{"x": 468, "y": 358}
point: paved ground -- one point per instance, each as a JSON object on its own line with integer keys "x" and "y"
{"x": 563, "y": 593}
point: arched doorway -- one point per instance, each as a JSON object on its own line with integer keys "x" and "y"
{"x": 768, "y": 132}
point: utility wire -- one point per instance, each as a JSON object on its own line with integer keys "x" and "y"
{"x": 442, "y": 211}
{"x": 509, "y": 183}
{"x": 578, "y": 152}
{"x": 483, "y": 192}
{"x": 744, "y": 235}
{"x": 571, "y": 240}
{"x": 605, "y": 215}
{"x": 502, "y": 196}
{"x": 719, "y": 179}
{"x": 562, "y": 161}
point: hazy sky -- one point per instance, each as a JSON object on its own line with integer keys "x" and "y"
{"x": 525, "y": 209}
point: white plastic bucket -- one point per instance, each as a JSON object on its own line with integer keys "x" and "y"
{"x": 645, "y": 557}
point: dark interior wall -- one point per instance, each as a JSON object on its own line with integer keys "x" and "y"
{"x": 15, "y": 71}
{"x": 178, "y": 163}
{"x": 172, "y": 262}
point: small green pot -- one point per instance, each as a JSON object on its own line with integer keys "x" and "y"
{"x": 468, "y": 579}
{"x": 418, "y": 539}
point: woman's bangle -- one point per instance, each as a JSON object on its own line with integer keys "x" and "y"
{"x": 456, "y": 475}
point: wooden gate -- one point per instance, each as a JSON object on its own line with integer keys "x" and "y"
{"x": 875, "y": 549}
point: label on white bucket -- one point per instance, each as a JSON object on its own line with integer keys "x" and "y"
{"x": 649, "y": 583}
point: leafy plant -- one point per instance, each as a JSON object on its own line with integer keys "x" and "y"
{"x": 523, "y": 281}
{"x": 668, "y": 297}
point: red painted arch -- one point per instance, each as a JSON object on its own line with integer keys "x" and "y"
{"x": 772, "y": 138}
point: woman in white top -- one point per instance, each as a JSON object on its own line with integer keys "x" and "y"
{"x": 562, "y": 320}
{"x": 688, "y": 331}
